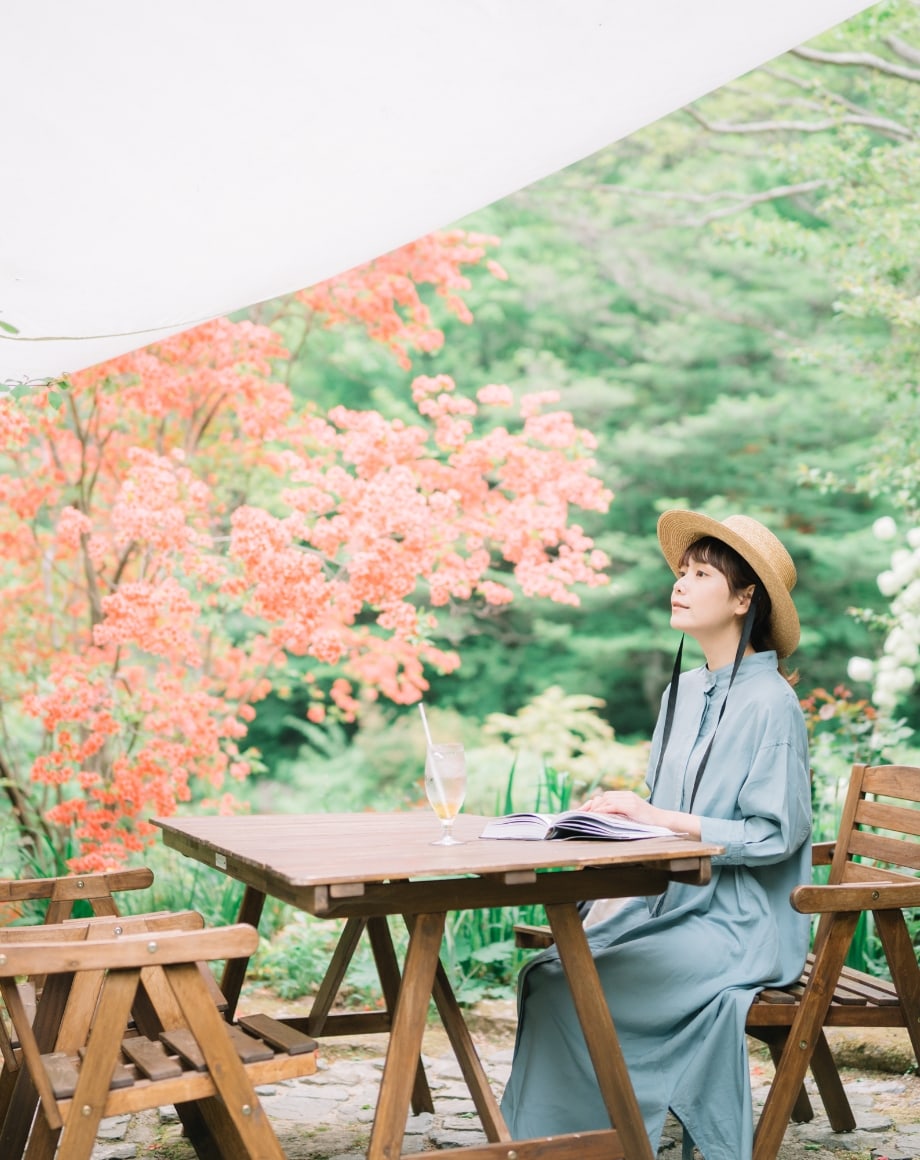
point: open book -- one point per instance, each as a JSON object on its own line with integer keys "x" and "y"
{"x": 572, "y": 824}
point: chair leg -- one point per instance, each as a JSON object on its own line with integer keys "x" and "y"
{"x": 775, "y": 1039}
{"x": 43, "y": 1140}
{"x": 102, "y": 1051}
{"x": 24, "y": 1098}
{"x": 155, "y": 1009}
{"x": 237, "y": 1102}
{"x": 827, "y": 1077}
{"x": 803, "y": 1036}
{"x": 905, "y": 971}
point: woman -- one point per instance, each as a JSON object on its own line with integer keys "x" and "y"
{"x": 679, "y": 971}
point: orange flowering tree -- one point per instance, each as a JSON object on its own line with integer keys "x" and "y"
{"x": 175, "y": 529}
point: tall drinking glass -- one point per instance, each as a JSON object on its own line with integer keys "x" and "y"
{"x": 445, "y": 785}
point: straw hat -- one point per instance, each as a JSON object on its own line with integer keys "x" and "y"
{"x": 678, "y": 529}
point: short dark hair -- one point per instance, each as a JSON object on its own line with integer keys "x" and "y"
{"x": 739, "y": 575}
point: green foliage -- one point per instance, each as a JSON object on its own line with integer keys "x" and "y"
{"x": 574, "y": 744}
{"x": 293, "y": 963}
{"x": 844, "y": 730}
{"x": 186, "y": 884}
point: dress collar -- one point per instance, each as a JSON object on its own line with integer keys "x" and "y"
{"x": 750, "y": 666}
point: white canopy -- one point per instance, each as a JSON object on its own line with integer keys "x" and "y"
{"x": 167, "y": 163}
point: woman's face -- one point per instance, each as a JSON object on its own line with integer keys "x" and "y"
{"x": 703, "y": 605}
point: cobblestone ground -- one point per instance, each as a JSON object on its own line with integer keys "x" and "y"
{"x": 328, "y": 1116}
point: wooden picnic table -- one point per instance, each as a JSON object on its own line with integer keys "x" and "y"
{"x": 366, "y": 867}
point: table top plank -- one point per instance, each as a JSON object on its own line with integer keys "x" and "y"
{"x": 310, "y": 850}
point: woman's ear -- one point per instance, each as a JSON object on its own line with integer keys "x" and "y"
{"x": 744, "y": 600}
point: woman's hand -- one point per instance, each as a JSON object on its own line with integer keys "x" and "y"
{"x": 625, "y": 802}
{"x": 639, "y": 809}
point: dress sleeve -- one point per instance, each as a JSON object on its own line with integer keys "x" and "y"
{"x": 773, "y": 812}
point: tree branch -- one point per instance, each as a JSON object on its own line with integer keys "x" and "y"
{"x": 903, "y": 49}
{"x": 859, "y": 60}
{"x": 740, "y": 201}
{"x": 879, "y": 124}
{"x": 746, "y": 201}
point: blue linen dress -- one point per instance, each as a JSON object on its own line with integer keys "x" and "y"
{"x": 679, "y": 972}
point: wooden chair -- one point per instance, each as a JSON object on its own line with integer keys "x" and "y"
{"x": 18, "y": 1097}
{"x": 873, "y": 868}
{"x": 60, "y": 896}
{"x": 127, "y": 1022}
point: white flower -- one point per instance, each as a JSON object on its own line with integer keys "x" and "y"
{"x": 913, "y": 537}
{"x": 885, "y": 528}
{"x": 860, "y": 669}
{"x": 904, "y": 564}
{"x": 901, "y": 647}
{"x": 906, "y": 604}
{"x": 887, "y": 583}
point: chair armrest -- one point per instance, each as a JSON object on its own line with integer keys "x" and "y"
{"x": 150, "y": 948}
{"x": 855, "y": 896}
{"x": 822, "y": 853}
{"x": 530, "y": 937}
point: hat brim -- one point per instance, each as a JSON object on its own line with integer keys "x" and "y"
{"x": 678, "y": 529}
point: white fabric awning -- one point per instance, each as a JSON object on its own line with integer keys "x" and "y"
{"x": 167, "y": 163}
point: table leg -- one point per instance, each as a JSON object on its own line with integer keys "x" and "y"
{"x": 405, "y": 1046}
{"x": 231, "y": 983}
{"x": 335, "y": 973}
{"x": 378, "y": 932}
{"x": 599, "y": 1032}
{"x": 493, "y": 1122}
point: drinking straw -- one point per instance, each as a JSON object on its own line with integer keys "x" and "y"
{"x": 421, "y": 709}
{"x": 435, "y": 776}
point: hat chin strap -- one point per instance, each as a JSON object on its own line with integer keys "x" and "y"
{"x": 743, "y": 642}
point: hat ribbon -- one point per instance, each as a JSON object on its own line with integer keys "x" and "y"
{"x": 743, "y": 642}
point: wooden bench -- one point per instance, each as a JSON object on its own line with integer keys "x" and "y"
{"x": 127, "y": 1022}
{"x": 873, "y": 865}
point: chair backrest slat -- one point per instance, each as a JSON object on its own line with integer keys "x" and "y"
{"x": 897, "y": 781}
{"x": 862, "y": 872}
{"x": 75, "y": 886}
{"x": 76, "y": 929}
{"x": 129, "y": 950}
{"x": 894, "y": 851}
{"x": 885, "y": 816}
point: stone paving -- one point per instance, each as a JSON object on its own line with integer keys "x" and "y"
{"x": 328, "y": 1116}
